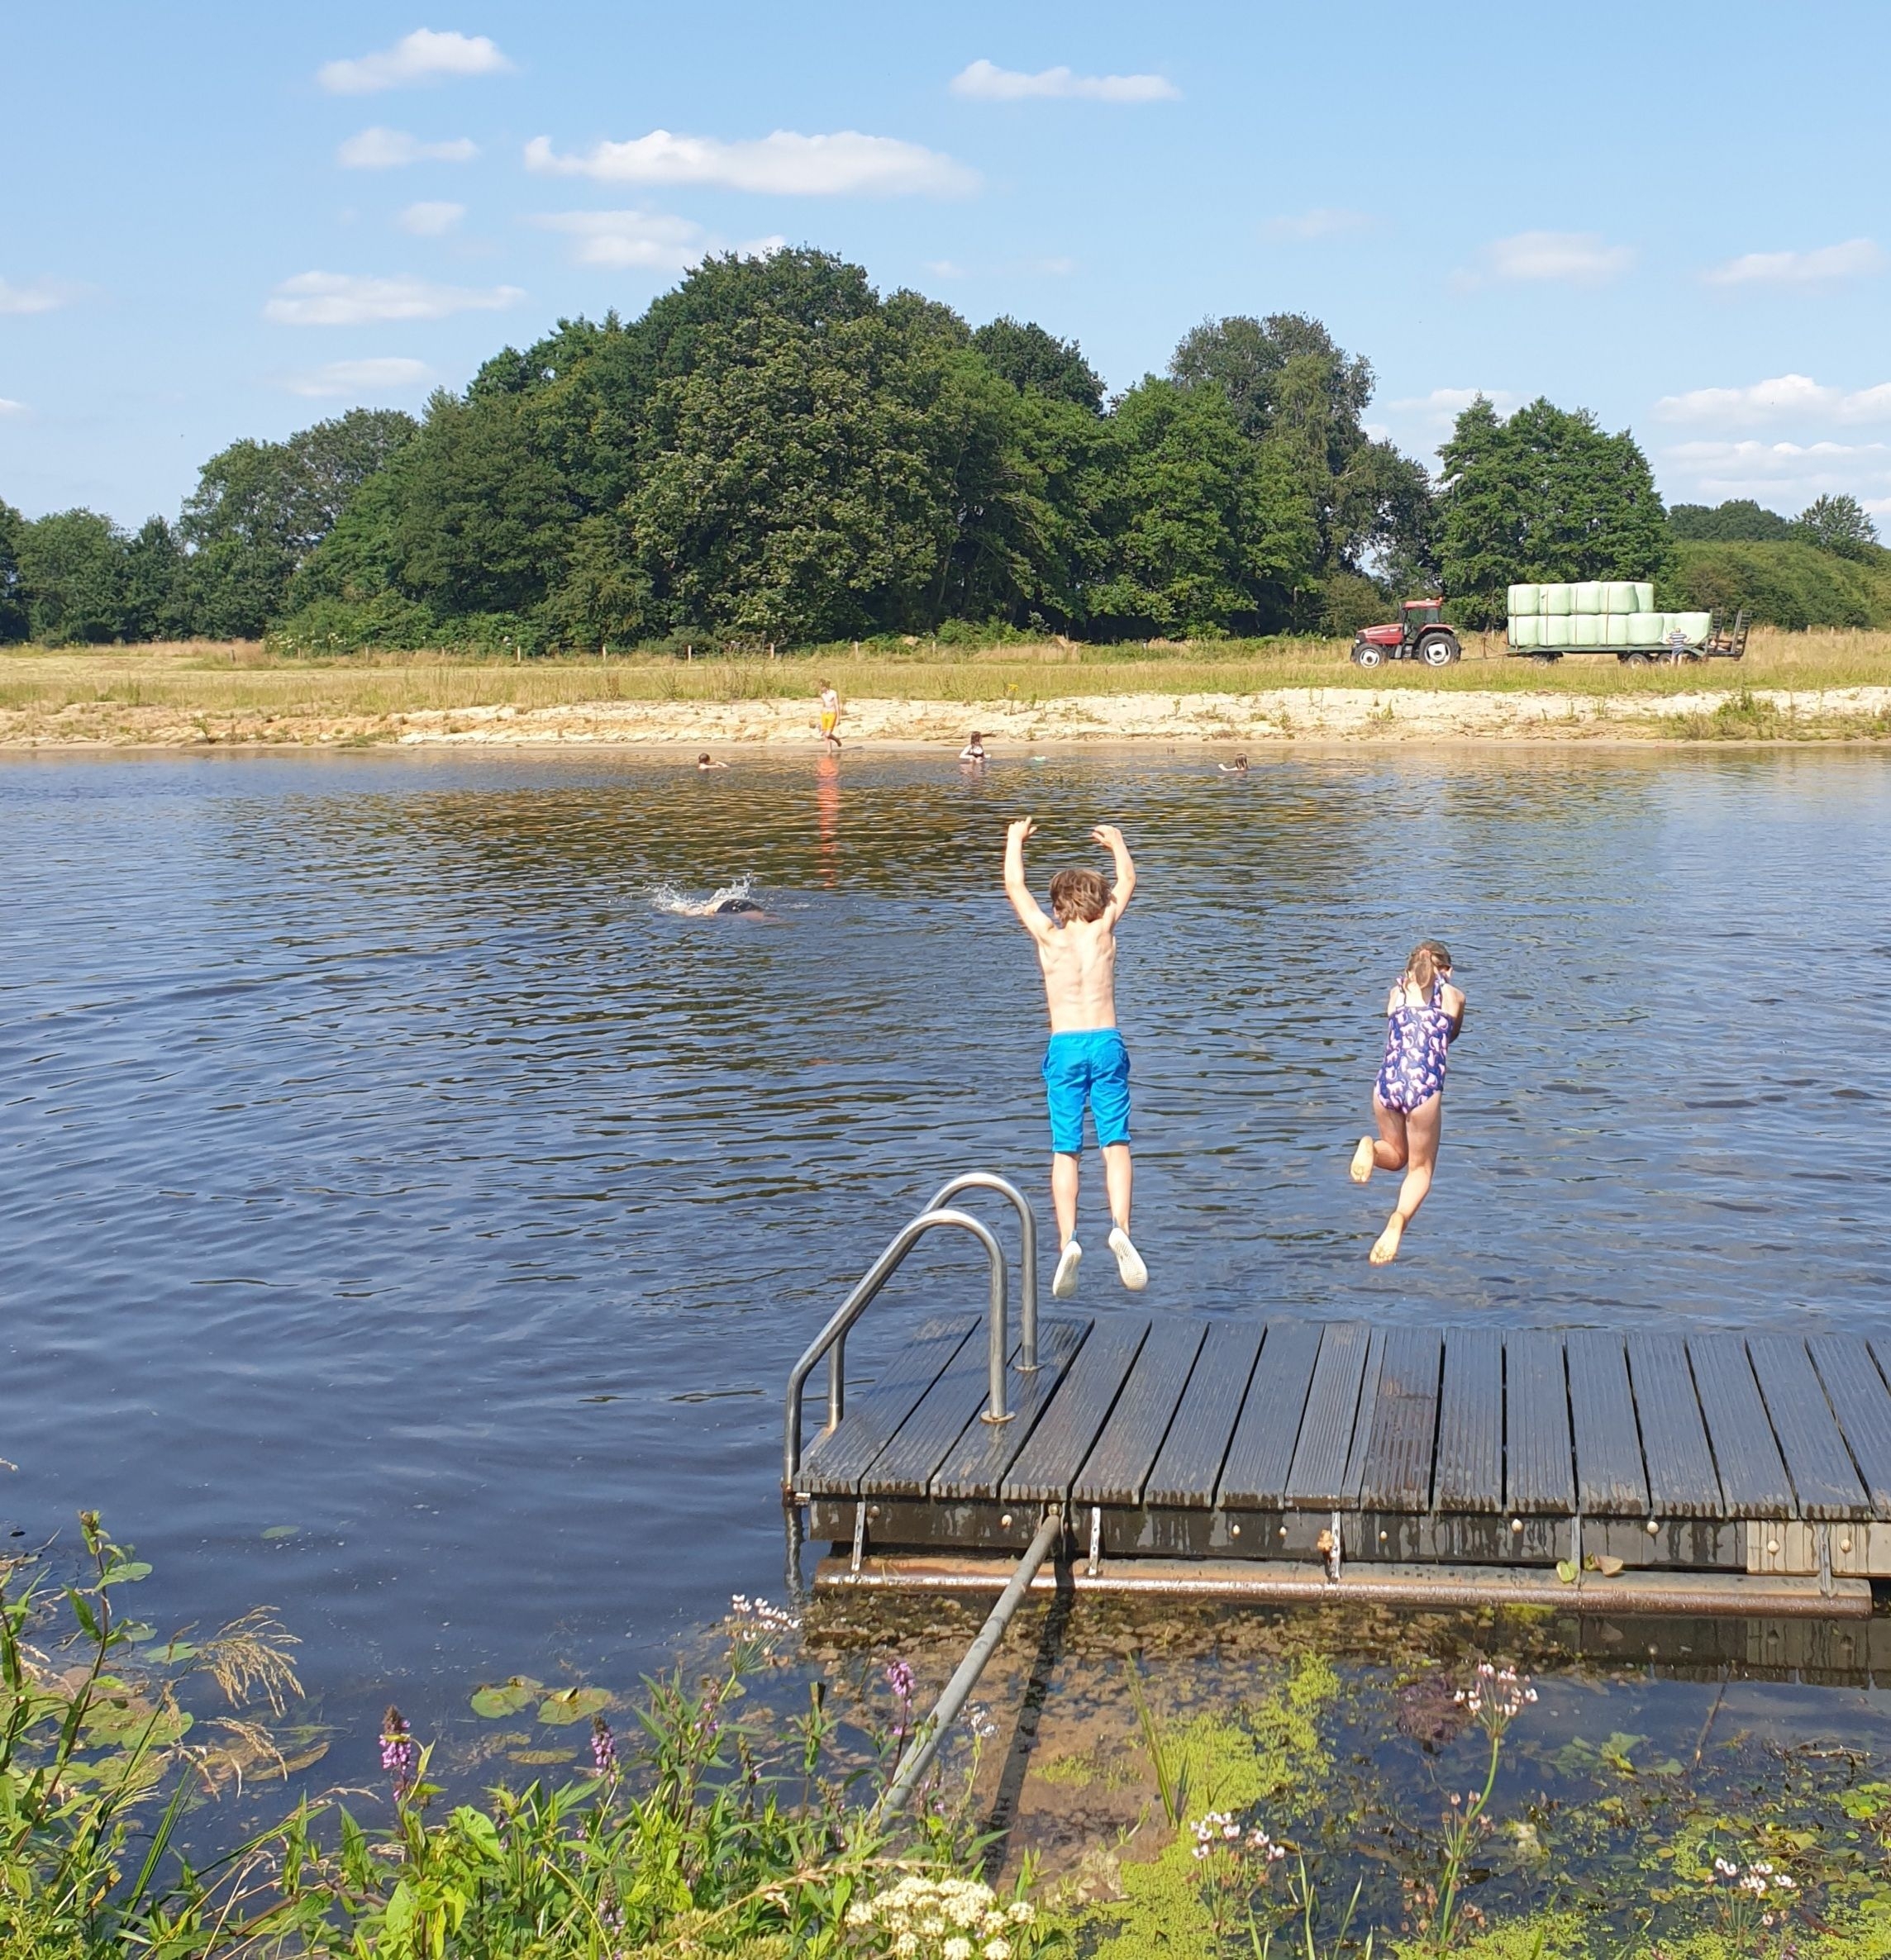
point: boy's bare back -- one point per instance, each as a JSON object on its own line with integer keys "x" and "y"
{"x": 1078, "y": 957}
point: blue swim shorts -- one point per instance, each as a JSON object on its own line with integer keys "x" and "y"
{"x": 1091, "y": 1067}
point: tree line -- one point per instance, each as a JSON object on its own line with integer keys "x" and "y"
{"x": 774, "y": 453}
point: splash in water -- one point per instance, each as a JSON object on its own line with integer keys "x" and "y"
{"x": 737, "y": 897}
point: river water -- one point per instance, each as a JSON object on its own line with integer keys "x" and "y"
{"x": 409, "y": 1221}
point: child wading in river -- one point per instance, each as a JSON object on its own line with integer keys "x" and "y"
{"x": 1086, "y": 1062}
{"x": 1424, "y": 1014}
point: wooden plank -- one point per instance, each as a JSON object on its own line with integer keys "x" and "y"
{"x": 1817, "y": 1459}
{"x": 975, "y": 1465}
{"x": 1538, "y": 1476}
{"x": 1469, "y": 1474}
{"x": 1189, "y": 1464}
{"x": 1862, "y": 1404}
{"x": 1047, "y": 1465}
{"x": 834, "y": 1465}
{"x": 1752, "y": 1475}
{"x": 1681, "y": 1478}
{"x": 1261, "y": 1451}
{"x": 904, "y": 1468}
{"x": 1396, "y": 1469}
{"x": 1611, "y": 1481}
{"x": 1318, "y": 1479}
{"x": 1118, "y": 1466}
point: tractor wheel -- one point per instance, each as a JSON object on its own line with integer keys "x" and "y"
{"x": 1438, "y": 649}
{"x": 1366, "y": 655}
{"x": 1638, "y": 660}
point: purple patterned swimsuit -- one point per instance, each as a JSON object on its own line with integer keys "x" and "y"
{"x": 1418, "y": 1045}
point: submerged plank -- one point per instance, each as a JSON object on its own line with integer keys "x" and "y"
{"x": 1189, "y": 1464}
{"x": 1611, "y": 1481}
{"x": 1469, "y": 1474}
{"x": 1119, "y": 1465}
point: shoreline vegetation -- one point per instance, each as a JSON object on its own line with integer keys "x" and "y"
{"x": 1802, "y": 686}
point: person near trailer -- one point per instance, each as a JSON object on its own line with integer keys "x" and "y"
{"x": 1425, "y": 1013}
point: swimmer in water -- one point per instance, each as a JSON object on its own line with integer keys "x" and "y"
{"x": 974, "y": 750}
{"x": 702, "y": 762}
{"x": 1238, "y": 767}
{"x": 829, "y": 714}
{"x": 1424, "y": 1015}
{"x": 739, "y": 908}
{"x": 1086, "y": 1061}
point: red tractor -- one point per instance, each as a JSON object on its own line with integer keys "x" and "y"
{"x": 1419, "y": 633}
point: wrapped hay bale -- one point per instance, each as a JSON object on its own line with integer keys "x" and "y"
{"x": 1526, "y": 631}
{"x": 1615, "y": 629}
{"x": 1586, "y": 597}
{"x": 1588, "y": 629}
{"x": 1525, "y": 602}
{"x": 1644, "y": 597}
{"x": 1647, "y": 628}
{"x": 1619, "y": 595}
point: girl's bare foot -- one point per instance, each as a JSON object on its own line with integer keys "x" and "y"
{"x": 1385, "y": 1250}
{"x": 1362, "y": 1161}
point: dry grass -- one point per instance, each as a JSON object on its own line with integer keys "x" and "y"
{"x": 201, "y": 678}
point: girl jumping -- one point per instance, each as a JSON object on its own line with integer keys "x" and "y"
{"x": 1424, "y": 1015}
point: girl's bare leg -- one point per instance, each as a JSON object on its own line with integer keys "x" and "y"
{"x": 1422, "y": 1128}
{"x": 1385, "y": 1152}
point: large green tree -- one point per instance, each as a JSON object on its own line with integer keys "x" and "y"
{"x": 1545, "y": 495}
{"x": 13, "y": 600}
{"x": 1739, "y": 520}
{"x": 1296, "y": 391}
{"x": 1036, "y": 362}
{"x": 72, "y": 575}
{"x": 260, "y": 508}
{"x": 1839, "y": 525}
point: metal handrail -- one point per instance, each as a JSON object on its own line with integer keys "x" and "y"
{"x": 832, "y": 1339}
{"x": 1026, "y": 1362}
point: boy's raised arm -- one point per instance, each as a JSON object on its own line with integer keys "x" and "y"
{"x": 1016, "y": 890}
{"x": 1111, "y": 840}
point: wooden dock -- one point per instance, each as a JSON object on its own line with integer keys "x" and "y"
{"x": 1659, "y": 1471}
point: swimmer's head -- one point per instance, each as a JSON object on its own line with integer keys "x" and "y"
{"x": 1080, "y": 894}
{"x": 1241, "y": 761}
{"x": 703, "y": 760}
{"x": 976, "y": 737}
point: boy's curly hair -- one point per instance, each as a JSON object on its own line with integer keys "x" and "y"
{"x": 1078, "y": 895}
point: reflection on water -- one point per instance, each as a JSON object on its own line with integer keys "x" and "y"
{"x": 385, "y": 1171}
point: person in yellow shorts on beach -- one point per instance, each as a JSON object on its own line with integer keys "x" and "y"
{"x": 1086, "y": 1063}
{"x": 830, "y": 713}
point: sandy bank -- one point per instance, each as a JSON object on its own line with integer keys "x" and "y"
{"x": 1351, "y": 713}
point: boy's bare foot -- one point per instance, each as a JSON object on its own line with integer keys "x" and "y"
{"x": 1385, "y": 1249}
{"x": 1129, "y": 1261}
{"x": 1065, "y": 1284}
{"x": 1362, "y": 1161}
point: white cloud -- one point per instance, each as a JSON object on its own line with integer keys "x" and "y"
{"x": 985, "y": 82}
{"x": 1058, "y": 267}
{"x": 1443, "y": 406}
{"x": 1783, "y": 395}
{"x": 431, "y": 218}
{"x": 1575, "y": 258}
{"x": 944, "y": 268}
{"x": 12, "y": 407}
{"x": 844, "y": 164}
{"x": 622, "y": 241}
{"x": 421, "y": 56}
{"x": 388, "y": 149}
{"x": 1855, "y": 259}
{"x": 1320, "y": 222}
{"x": 1779, "y": 474}
{"x": 345, "y": 299}
{"x": 388, "y": 375}
{"x": 41, "y": 297}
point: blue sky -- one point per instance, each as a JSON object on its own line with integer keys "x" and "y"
{"x": 225, "y": 221}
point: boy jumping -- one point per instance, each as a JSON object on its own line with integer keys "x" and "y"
{"x": 1086, "y": 1061}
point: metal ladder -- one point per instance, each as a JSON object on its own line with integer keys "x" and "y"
{"x": 831, "y": 1342}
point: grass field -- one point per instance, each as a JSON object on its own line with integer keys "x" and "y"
{"x": 205, "y": 678}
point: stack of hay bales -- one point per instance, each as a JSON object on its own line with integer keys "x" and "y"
{"x": 1597, "y": 616}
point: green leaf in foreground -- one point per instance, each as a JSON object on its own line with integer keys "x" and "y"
{"x": 124, "y": 1571}
{"x": 507, "y": 1698}
{"x": 572, "y": 1705}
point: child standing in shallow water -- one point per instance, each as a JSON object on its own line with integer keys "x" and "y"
{"x": 1086, "y": 1061}
{"x": 1424, "y": 1014}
